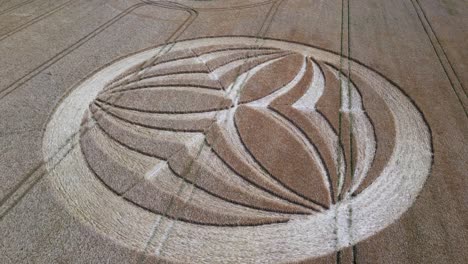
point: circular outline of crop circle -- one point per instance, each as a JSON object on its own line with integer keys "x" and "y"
{"x": 379, "y": 205}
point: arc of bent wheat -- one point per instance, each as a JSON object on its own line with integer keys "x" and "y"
{"x": 273, "y": 150}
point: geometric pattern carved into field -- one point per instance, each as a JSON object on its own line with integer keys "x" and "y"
{"x": 264, "y": 135}
{"x": 235, "y": 142}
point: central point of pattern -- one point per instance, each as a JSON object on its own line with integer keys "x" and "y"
{"x": 231, "y": 135}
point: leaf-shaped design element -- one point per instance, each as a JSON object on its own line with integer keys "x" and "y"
{"x": 264, "y": 81}
{"x": 166, "y": 100}
{"x": 240, "y": 126}
{"x": 281, "y": 153}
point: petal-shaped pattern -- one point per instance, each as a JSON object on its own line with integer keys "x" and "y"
{"x": 267, "y": 80}
{"x": 162, "y": 195}
{"x": 196, "y": 122}
{"x": 316, "y": 128}
{"x": 216, "y": 60}
{"x": 169, "y": 100}
{"x": 290, "y": 96}
{"x": 229, "y": 73}
{"x": 383, "y": 125}
{"x": 228, "y": 146}
{"x": 110, "y": 162}
{"x": 133, "y": 73}
{"x": 281, "y": 153}
{"x": 361, "y": 132}
{"x": 226, "y": 186}
{"x": 160, "y": 144}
